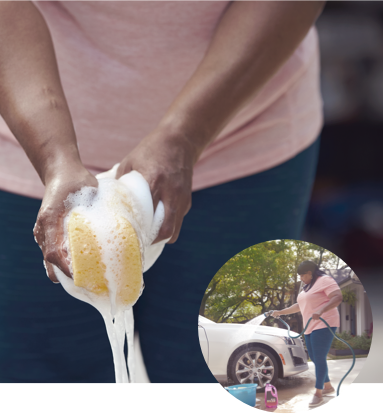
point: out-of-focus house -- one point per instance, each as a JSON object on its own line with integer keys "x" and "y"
{"x": 355, "y": 311}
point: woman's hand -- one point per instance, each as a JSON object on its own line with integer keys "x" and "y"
{"x": 166, "y": 161}
{"x": 336, "y": 299}
{"x": 317, "y": 315}
{"x": 276, "y": 314}
{"x": 237, "y": 64}
{"x": 49, "y": 230}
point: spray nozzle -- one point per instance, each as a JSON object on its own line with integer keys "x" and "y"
{"x": 270, "y": 313}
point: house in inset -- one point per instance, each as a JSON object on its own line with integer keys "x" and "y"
{"x": 355, "y": 310}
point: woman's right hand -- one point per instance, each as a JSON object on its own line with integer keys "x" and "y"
{"x": 49, "y": 230}
{"x": 276, "y": 314}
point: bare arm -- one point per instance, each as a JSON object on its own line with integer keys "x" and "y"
{"x": 32, "y": 100}
{"x": 252, "y": 41}
{"x": 34, "y": 106}
{"x": 288, "y": 311}
{"x": 336, "y": 299}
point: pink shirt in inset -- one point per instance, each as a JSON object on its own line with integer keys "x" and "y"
{"x": 311, "y": 301}
{"x": 122, "y": 63}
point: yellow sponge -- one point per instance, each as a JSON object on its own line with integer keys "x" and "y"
{"x": 88, "y": 268}
{"x": 125, "y": 263}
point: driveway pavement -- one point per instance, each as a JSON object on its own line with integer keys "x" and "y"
{"x": 295, "y": 393}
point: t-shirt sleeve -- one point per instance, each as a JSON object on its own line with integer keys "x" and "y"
{"x": 329, "y": 285}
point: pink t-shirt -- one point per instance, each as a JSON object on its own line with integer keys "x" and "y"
{"x": 122, "y": 64}
{"x": 317, "y": 297}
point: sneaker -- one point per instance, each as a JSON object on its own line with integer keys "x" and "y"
{"x": 328, "y": 391}
{"x": 315, "y": 401}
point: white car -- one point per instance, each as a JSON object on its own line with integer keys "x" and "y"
{"x": 250, "y": 353}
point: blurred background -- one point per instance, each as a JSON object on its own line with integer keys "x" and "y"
{"x": 346, "y": 209}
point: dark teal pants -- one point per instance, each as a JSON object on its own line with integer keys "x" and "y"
{"x": 48, "y": 336}
{"x": 318, "y": 345}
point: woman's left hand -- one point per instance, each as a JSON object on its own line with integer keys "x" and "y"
{"x": 316, "y": 315}
{"x": 166, "y": 160}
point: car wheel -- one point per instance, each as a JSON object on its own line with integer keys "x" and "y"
{"x": 254, "y": 364}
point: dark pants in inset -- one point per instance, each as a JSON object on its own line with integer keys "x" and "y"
{"x": 318, "y": 346}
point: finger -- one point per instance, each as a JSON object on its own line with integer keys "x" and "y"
{"x": 168, "y": 226}
{"x": 156, "y": 197}
{"x": 124, "y": 168}
{"x": 50, "y": 272}
{"x": 48, "y": 247}
{"x": 155, "y": 191}
{"x": 53, "y": 257}
{"x": 177, "y": 228}
{"x": 38, "y": 234}
{"x": 173, "y": 219}
{"x": 53, "y": 249}
{"x": 180, "y": 218}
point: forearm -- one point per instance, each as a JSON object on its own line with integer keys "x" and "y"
{"x": 251, "y": 42}
{"x": 32, "y": 100}
{"x": 332, "y": 303}
{"x": 292, "y": 309}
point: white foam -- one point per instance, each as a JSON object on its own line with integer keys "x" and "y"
{"x": 128, "y": 197}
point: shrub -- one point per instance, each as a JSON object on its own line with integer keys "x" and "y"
{"x": 356, "y": 342}
{"x": 362, "y": 342}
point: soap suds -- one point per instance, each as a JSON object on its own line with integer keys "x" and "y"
{"x": 108, "y": 214}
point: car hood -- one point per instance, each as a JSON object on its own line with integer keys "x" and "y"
{"x": 263, "y": 330}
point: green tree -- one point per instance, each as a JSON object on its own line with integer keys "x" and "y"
{"x": 253, "y": 281}
{"x": 261, "y": 278}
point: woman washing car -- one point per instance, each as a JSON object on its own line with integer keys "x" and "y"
{"x": 319, "y": 299}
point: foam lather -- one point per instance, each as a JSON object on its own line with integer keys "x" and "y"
{"x": 108, "y": 233}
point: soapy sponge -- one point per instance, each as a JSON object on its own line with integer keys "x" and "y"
{"x": 128, "y": 254}
{"x": 123, "y": 268}
{"x": 88, "y": 267}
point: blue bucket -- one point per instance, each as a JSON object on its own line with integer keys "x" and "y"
{"x": 244, "y": 392}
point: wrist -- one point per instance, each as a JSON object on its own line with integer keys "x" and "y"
{"x": 181, "y": 131}
{"x": 62, "y": 166}
{"x": 44, "y": 128}
{"x": 188, "y": 126}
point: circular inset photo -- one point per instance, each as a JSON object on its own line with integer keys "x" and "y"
{"x": 285, "y": 326}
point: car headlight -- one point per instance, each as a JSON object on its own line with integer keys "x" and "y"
{"x": 288, "y": 341}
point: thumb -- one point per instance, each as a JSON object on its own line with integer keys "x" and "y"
{"x": 50, "y": 272}
{"x": 124, "y": 168}
{"x": 54, "y": 253}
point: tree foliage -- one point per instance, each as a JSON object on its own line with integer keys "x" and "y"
{"x": 260, "y": 278}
